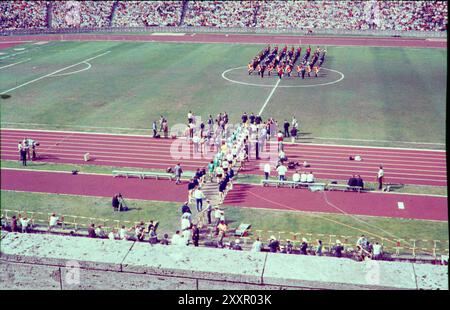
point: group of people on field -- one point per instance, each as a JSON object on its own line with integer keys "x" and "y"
{"x": 27, "y": 150}
{"x": 284, "y": 62}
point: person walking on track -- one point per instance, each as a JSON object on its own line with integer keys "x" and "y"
{"x": 380, "y": 177}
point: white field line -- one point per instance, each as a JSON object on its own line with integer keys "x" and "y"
{"x": 233, "y": 43}
{"x": 9, "y": 42}
{"x": 16, "y": 63}
{"x": 74, "y": 72}
{"x": 54, "y": 72}
{"x": 149, "y": 130}
{"x": 268, "y": 98}
{"x": 78, "y": 126}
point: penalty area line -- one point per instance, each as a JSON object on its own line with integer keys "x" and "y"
{"x": 54, "y": 72}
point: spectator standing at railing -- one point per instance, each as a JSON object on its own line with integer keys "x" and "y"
{"x": 257, "y": 245}
{"x": 52, "y": 221}
{"x": 304, "y": 247}
{"x": 14, "y": 227}
{"x": 91, "y": 231}
{"x": 338, "y": 249}
{"x": 319, "y": 248}
{"x": 377, "y": 251}
{"x": 274, "y": 244}
{"x": 208, "y": 211}
{"x": 25, "y": 223}
{"x": 153, "y": 237}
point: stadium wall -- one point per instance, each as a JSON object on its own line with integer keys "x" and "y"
{"x": 43, "y": 261}
{"x": 188, "y": 29}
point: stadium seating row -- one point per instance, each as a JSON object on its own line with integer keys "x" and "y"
{"x": 354, "y": 15}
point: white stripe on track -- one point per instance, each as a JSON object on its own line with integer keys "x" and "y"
{"x": 54, "y": 72}
{"x": 149, "y": 130}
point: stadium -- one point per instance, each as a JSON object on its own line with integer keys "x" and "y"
{"x": 215, "y": 145}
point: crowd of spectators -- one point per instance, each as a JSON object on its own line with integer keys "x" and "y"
{"x": 354, "y": 15}
{"x": 147, "y": 13}
{"x": 221, "y": 14}
{"x": 81, "y": 13}
{"x": 23, "y": 14}
{"x": 349, "y": 15}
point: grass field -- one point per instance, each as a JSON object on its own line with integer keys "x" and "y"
{"x": 387, "y": 94}
{"x": 395, "y": 94}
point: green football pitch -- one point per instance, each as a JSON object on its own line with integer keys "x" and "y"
{"x": 367, "y": 93}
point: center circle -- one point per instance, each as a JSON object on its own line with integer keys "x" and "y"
{"x": 224, "y": 76}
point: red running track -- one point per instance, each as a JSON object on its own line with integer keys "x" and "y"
{"x": 417, "y": 207}
{"x": 406, "y": 166}
{"x": 241, "y": 38}
{"x": 372, "y": 204}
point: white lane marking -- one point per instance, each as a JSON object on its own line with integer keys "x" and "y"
{"x": 282, "y": 86}
{"x": 54, "y": 72}
{"x": 149, "y": 130}
{"x": 16, "y": 63}
{"x": 74, "y": 72}
{"x": 268, "y": 98}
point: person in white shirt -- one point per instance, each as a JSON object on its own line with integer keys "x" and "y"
{"x": 185, "y": 221}
{"x": 310, "y": 178}
{"x": 257, "y": 246}
{"x": 196, "y": 141}
{"x": 177, "y": 239}
{"x": 303, "y": 177}
{"x": 123, "y": 233}
{"x": 296, "y": 177}
{"x": 380, "y": 177}
{"x": 112, "y": 235}
{"x": 100, "y": 232}
{"x": 199, "y": 196}
{"x": 282, "y": 156}
{"x": 267, "y": 171}
{"x": 282, "y": 172}
{"x": 52, "y": 221}
{"x": 24, "y": 222}
{"x": 377, "y": 249}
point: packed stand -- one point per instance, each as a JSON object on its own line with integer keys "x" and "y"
{"x": 355, "y": 15}
{"x": 81, "y": 13}
{"x": 147, "y": 13}
{"x": 23, "y": 14}
{"x": 411, "y": 15}
{"x": 221, "y": 13}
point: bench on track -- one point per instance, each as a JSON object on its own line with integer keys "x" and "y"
{"x": 292, "y": 184}
{"x": 142, "y": 174}
{"x": 343, "y": 187}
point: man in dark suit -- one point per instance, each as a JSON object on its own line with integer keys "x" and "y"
{"x": 359, "y": 182}
{"x": 352, "y": 181}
